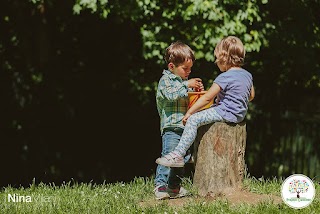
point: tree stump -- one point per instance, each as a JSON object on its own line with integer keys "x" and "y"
{"x": 219, "y": 158}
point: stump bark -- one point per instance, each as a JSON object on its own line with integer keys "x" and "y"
{"x": 219, "y": 158}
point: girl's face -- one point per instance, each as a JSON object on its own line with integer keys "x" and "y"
{"x": 183, "y": 70}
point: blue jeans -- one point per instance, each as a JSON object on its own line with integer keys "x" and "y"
{"x": 166, "y": 175}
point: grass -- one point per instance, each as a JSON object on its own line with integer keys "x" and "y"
{"x": 120, "y": 197}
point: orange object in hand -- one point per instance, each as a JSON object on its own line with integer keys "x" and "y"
{"x": 194, "y": 96}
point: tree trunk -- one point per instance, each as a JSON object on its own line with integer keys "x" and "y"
{"x": 219, "y": 158}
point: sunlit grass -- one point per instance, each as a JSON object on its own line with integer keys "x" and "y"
{"x": 120, "y": 197}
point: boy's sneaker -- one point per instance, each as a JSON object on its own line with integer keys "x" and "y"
{"x": 178, "y": 192}
{"x": 161, "y": 192}
{"x": 171, "y": 160}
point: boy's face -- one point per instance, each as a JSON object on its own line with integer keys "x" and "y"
{"x": 183, "y": 70}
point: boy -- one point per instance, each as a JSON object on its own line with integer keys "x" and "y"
{"x": 172, "y": 104}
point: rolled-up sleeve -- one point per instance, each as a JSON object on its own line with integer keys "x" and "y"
{"x": 173, "y": 91}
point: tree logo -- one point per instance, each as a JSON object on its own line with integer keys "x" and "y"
{"x": 298, "y": 191}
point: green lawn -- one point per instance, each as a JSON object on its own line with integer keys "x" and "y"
{"x": 127, "y": 197}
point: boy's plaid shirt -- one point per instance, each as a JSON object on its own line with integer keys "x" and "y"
{"x": 172, "y": 100}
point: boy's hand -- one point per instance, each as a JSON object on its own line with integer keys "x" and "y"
{"x": 196, "y": 83}
{"x": 201, "y": 87}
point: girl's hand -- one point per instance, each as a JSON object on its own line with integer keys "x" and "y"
{"x": 185, "y": 118}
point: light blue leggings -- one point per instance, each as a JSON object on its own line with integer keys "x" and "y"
{"x": 196, "y": 120}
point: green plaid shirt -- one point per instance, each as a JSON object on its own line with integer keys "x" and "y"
{"x": 172, "y": 100}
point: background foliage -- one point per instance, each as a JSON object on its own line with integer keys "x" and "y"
{"x": 79, "y": 78}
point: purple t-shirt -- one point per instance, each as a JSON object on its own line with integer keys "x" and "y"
{"x": 234, "y": 96}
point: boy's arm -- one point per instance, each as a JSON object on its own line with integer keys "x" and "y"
{"x": 252, "y": 94}
{"x": 174, "y": 90}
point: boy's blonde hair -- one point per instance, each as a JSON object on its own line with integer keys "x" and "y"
{"x": 178, "y": 53}
{"x": 230, "y": 52}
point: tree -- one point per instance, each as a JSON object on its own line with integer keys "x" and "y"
{"x": 220, "y": 158}
{"x": 286, "y": 74}
{"x": 201, "y": 24}
{"x": 54, "y": 57}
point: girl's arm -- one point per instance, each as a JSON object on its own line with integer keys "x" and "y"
{"x": 252, "y": 93}
{"x": 203, "y": 100}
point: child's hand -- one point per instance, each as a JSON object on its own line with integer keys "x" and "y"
{"x": 216, "y": 100}
{"x": 201, "y": 87}
{"x": 195, "y": 83}
{"x": 185, "y": 118}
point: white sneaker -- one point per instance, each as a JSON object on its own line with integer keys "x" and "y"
{"x": 171, "y": 160}
{"x": 161, "y": 192}
{"x": 178, "y": 193}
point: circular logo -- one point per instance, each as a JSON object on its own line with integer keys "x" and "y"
{"x": 297, "y": 191}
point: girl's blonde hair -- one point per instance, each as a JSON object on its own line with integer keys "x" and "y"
{"x": 230, "y": 52}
